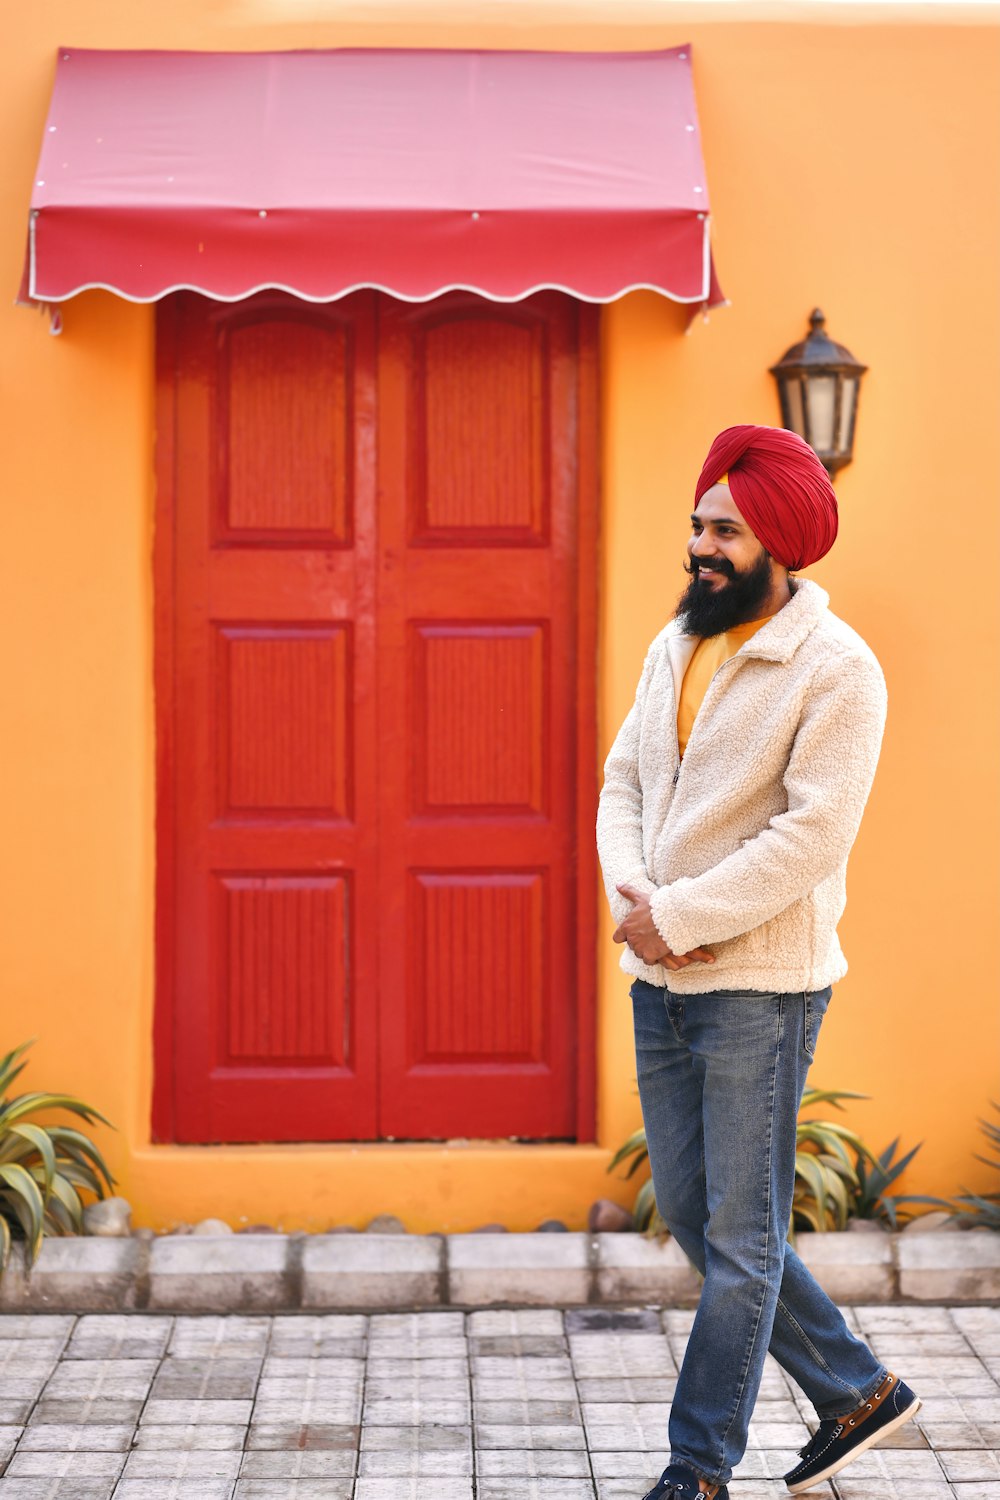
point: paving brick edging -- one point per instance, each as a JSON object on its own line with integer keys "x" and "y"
{"x": 288, "y": 1273}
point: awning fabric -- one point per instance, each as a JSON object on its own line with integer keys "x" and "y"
{"x": 411, "y": 171}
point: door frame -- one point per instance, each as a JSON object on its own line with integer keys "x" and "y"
{"x": 586, "y": 745}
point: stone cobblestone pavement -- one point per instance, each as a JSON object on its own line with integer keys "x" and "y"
{"x": 491, "y": 1405}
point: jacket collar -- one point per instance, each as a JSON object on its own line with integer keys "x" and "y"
{"x": 784, "y": 633}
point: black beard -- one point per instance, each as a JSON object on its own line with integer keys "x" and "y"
{"x": 703, "y": 610}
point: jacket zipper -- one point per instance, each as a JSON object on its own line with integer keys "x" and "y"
{"x": 677, "y": 743}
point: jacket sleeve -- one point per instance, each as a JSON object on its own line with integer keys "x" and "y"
{"x": 619, "y": 811}
{"x": 829, "y": 775}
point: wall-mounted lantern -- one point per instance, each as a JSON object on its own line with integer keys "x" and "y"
{"x": 818, "y": 384}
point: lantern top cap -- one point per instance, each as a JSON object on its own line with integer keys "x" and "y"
{"x": 818, "y": 353}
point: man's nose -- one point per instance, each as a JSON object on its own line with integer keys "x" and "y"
{"x": 701, "y": 546}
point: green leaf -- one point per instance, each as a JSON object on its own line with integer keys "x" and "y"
{"x": 830, "y": 1143}
{"x": 842, "y": 1133}
{"x": 81, "y": 1177}
{"x": 65, "y": 1192}
{"x": 811, "y": 1172}
{"x": 25, "y": 1199}
{"x": 645, "y": 1206}
{"x": 804, "y": 1211}
{"x": 73, "y": 1144}
{"x": 888, "y": 1154}
{"x": 640, "y": 1161}
{"x": 13, "y": 1149}
{"x": 843, "y": 1171}
{"x": 635, "y": 1143}
{"x": 983, "y": 1209}
{"x": 57, "y": 1220}
{"x": 27, "y": 1104}
{"x": 35, "y": 1136}
{"x": 66, "y": 1195}
{"x": 892, "y": 1170}
{"x": 10, "y": 1067}
{"x": 68, "y": 1135}
{"x": 837, "y": 1195}
{"x": 828, "y": 1096}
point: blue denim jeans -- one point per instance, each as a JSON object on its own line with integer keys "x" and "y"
{"x": 721, "y": 1079}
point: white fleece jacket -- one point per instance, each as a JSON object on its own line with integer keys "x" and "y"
{"x": 743, "y": 846}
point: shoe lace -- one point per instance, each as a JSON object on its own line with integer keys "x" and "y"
{"x": 828, "y": 1427}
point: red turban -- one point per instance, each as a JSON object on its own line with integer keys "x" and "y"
{"x": 779, "y": 487}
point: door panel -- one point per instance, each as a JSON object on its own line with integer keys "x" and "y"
{"x": 283, "y": 970}
{"x": 374, "y": 826}
{"x": 479, "y": 698}
{"x": 293, "y": 679}
{"x": 479, "y": 391}
{"x": 285, "y": 430}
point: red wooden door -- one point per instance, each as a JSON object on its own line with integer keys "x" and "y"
{"x": 375, "y": 617}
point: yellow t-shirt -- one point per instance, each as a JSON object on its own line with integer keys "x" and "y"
{"x": 709, "y": 654}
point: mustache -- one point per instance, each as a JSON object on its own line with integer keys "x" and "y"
{"x": 723, "y": 566}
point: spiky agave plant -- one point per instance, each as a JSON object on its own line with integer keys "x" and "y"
{"x": 826, "y": 1178}
{"x": 43, "y": 1168}
{"x": 983, "y": 1209}
{"x": 875, "y": 1177}
{"x": 644, "y": 1210}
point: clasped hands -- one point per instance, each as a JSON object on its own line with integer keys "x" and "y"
{"x": 639, "y": 931}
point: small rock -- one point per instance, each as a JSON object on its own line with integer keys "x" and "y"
{"x": 111, "y": 1218}
{"x": 926, "y": 1223}
{"x": 552, "y": 1226}
{"x": 386, "y": 1224}
{"x": 211, "y": 1226}
{"x": 490, "y": 1229}
{"x": 182, "y": 1229}
{"x": 257, "y": 1229}
{"x": 144, "y": 1234}
{"x": 606, "y": 1217}
{"x": 865, "y": 1226}
{"x": 342, "y": 1229}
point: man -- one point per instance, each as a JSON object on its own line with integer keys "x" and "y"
{"x": 733, "y": 793}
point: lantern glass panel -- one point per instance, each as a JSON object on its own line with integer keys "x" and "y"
{"x": 821, "y": 396}
{"x": 848, "y": 397}
{"x": 796, "y": 418}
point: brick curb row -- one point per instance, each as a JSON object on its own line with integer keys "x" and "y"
{"x": 288, "y": 1273}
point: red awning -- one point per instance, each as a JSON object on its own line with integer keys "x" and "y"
{"x": 413, "y": 172}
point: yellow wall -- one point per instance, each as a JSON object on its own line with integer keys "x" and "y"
{"x": 852, "y": 165}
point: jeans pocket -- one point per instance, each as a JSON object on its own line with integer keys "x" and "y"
{"x": 814, "y": 1004}
{"x": 675, "y": 1015}
{"x": 641, "y": 989}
